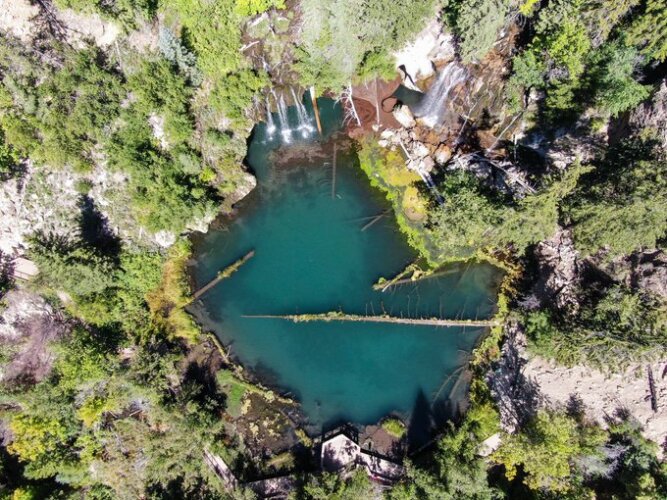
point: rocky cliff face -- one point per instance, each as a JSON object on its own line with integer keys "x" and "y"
{"x": 37, "y": 202}
{"x": 28, "y": 325}
{"x": 653, "y": 115}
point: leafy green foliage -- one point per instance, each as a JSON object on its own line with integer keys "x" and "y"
{"x": 614, "y": 88}
{"x": 629, "y": 466}
{"x": 92, "y": 414}
{"x": 649, "y": 29}
{"x": 456, "y": 471}
{"x": 334, "y": 487}
{"x": 394, "y": 426}
{"x": 472, "y": 218}
{"x": 622, "y": 205}
{"x": 104, "y": 291}
{"x": 467, "y": 220}
{"x": 254, "y": 7}
{"x": 212, "y": 30}
{"x": 478, "y": 23}
{"x": 546, "y": 451}
{"x": 123, "y": 11}
{"x": 573, "y": 59}
{"x": 64, "y": 118}
{"x": 8, "y": 158}
{"x": 339, "y": 35}
{"x": 610, "y": 331}
{"x": 175, "y": 52}
{"x": 601, "y": 16}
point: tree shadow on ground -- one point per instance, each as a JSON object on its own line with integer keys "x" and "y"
{"x": 95, "y": 230}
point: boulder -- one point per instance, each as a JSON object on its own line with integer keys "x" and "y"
{"x": 427, "y": 164}
{"x": 431, "y": 45}
{"x": 443, "y": 154}
{"x": 404, "y": 116}
{"x": 645, "y": 270}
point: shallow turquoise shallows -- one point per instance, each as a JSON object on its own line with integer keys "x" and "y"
{"x": 312, "y": 256}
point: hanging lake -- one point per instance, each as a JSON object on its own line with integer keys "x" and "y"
{"x": 311, "y": 256}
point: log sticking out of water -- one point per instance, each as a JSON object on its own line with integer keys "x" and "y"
{"x": 383, "y": 283}
{"x": 316, "y": 110}
{"x": 224, "y": 274}
{"x": 426, "y": 275}
{"x": 339, "y": 316}
{"x": 405, "y": 276}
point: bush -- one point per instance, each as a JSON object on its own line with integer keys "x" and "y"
{"x": 478, "y": 23}
{"x": 394, "y": 427}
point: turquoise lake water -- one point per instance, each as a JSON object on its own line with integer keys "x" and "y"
{"x": 311, "y": 256}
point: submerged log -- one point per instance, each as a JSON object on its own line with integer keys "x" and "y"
{"x": 374, "y": 220}
{"x": 333, "y": 173}
{"x": 224, "y": 274}
{"x": 339, "y": 316}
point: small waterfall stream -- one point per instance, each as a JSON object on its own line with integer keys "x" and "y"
{"x": 283, "y": 118}
{"x": 304, "y": 125}
{"x": 304, "y": 121}
{"x": 270, "y": 125}
{"x": 426, "y": 177}
{"x": 432, "y": 106}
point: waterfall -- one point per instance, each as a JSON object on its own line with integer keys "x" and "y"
{"x": 426, "y": 177}
{"x": 431, "y": 107}
{"x": 304, "y": 121}
{"x": 285, "y": 130}
{"x": 270, "y": 125}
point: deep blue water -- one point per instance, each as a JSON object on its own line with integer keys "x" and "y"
{"x": 311, "y": 256}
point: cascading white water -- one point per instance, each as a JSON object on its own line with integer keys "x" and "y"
{"x": 304, "y": 121}
{"x": 270, "y": 125}
{"x": 426, "y": 177}
{"x": 432, "y": 106}
{"x": 283, "y": 118}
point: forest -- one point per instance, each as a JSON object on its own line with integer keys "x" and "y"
{"x": 120, "y": 151}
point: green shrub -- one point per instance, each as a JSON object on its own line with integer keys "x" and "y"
{"x": 394, "y": 427}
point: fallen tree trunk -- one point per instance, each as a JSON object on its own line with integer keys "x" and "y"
{"x": 224, "y": 274}
{"x": 339, "y": 316}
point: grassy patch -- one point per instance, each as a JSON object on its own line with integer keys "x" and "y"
{"x": 235, "y": 394}
{"x": 386, "y": 170}
{"x": 394, "y": 427}
{"x": 168, "y": 300}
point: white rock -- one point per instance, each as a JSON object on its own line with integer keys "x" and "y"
{"x": 404, "y": 116}
{"x": 165, "y": 239}
{"x": 430, "y": 45}
{"x": 419, "y": 150}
